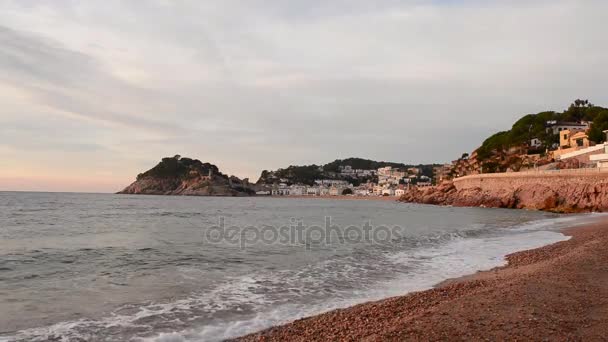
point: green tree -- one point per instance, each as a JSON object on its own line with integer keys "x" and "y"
{"x": 600, "y": 124}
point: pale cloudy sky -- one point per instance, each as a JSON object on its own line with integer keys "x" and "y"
{"x": 94, "y": 92}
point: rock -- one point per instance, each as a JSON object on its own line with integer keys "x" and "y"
{"x": 187, "y": 177}
{"x": 584, "y": 195}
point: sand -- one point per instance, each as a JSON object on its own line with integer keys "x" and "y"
{"x": 554, "y": 293}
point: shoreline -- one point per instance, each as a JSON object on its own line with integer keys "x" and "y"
{"x": 556, "y": 291}
{"x": 340, "y": 198}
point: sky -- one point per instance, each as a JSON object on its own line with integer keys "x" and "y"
{"x": 94, "y": 92}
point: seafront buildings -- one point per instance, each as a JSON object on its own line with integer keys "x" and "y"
{"x": 390, "y": 182}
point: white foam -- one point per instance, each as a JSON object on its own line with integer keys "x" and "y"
{"x": 426, "y": 266}
{"x": 429, "y": 267}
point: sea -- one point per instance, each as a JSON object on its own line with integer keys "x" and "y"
{"x": 104, "y": 267}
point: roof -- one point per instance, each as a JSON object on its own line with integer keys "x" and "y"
{"x": 565, "y": 123}
{"x": 578, "y": 135}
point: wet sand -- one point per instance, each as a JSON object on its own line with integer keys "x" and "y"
{"x": 554, "y": 293}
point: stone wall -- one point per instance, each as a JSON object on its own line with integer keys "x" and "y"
{"x": 515, "y": 180}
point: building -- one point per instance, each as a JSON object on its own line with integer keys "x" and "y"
{"x": 399, "y": 192}
{"x": 388, "y": 192}
{"x": 442, "y": 172}
{"x": 281, "y": 190}
{"x": 362, "y": 192}
{"x": 568, "y": 139}
{"x": 601, "y": 159}
{"x": 377, "y": 190}
{"x": 536, "y": 143}
{"x": 313, "y": 191}
{"x": 297, "y": 190}
{"x": 331, "y": 182}
{"x": 389, "y": 176}
{"x": 556, "y": 127}
{"x": 336, "y": 191}
{"x": 263, "y": 193}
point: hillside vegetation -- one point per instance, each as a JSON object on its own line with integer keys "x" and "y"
{"x": 187, "y": 177}
{"x": 535, "y": 126}
{"x": 307, "y": 174}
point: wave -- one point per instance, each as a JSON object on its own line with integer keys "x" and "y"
{"x": 244, "y": 304}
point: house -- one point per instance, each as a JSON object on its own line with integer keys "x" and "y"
{"x": 362, "y": 192}
{"x": 335, "y": 191}
{"x": 568, "y": 139}
{"x": 297, "y": 190}
{"x": 399, "y": 192}
{"x": 313, "y": 191}
{"x": 601, "y": 159}
{"x": 378, "y": 190}
{"x": 556, "y": 126}
{"x": 388, "y": 192}
{"x": 280, "y": 191}
{"x": 536, "y": 143}
{"x": 331, "y": 182}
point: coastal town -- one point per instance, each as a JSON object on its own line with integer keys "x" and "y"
{"x": 384, "y": 181}
{"x": 303, "y": 171}
{"x": 537, "y": 142}
{"x": 569, "y": 147}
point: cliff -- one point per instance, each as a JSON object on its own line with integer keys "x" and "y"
{"x": 568, "y": 191}
{"x": 187, "y": 177}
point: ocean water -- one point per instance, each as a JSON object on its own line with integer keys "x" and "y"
{"x": 100, "y": 267}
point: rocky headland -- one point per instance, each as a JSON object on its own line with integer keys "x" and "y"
{"x": 557, "y": 192}
{"x": 187, "y": 177}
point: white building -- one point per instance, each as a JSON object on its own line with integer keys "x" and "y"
{"x": 331, "y": 182}
{"x": 556, "y": 126}
{"x": 313, "y": 191}
{"x": 388, "y": 192}
{"x": 280, "y": 191}
{"x": 362, "y": 192}
{"x": 536, "y": 143}
{"x": 601, "y": 159}
{"x": 297, "y": 190}
{"x": 399, "y": 192}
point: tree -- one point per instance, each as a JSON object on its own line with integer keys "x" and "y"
{"x": 577, "y": 110}
{"x": 600, "y": 124}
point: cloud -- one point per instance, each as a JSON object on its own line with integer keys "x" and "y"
{"x": 254, "y": 85}
{"x": 70, "y": 81}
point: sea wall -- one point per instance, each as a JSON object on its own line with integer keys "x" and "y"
{"x": 583, "y": 190}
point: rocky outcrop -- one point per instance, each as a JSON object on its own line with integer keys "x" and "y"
{"x": 576, "y": 193}
{"x": 187, "y": 177}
